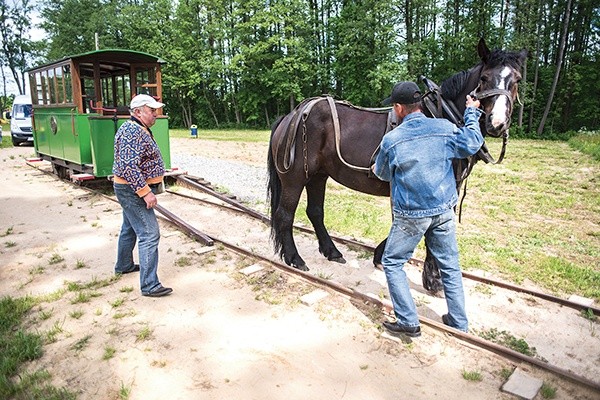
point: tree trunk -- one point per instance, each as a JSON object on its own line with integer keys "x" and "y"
{"x": 559, "y": 62}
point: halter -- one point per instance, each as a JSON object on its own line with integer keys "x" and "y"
{"x": 482, "y": 94}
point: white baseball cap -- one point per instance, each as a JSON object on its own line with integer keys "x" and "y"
{"x": 144, "y": 100}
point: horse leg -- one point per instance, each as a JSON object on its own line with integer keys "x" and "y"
{"x": 432, "y": 279}
{"x": 282, "y": 225}
{"x": 315, "y": 195}
{"x": 378, "y": 254}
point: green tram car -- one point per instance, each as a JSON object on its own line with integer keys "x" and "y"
{"x": 80, "y": 101}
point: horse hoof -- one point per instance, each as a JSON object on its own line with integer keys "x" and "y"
{"x": 301, "y": 267}
{"x": 340, "y": 260}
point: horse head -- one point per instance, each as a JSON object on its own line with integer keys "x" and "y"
{"x": 497, "y": 88}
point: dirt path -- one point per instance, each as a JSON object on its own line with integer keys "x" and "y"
{"x": 221, "y": 335}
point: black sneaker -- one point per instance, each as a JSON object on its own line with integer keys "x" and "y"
{"x": 395, "y": 329}
{"x": 160, "y": 292}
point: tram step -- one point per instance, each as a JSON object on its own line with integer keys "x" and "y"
{"x": 82, "y": 177}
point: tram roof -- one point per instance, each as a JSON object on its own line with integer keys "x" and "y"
{"x": 110, "y": 58}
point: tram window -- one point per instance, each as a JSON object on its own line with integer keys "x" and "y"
{"x": 67, "y": 84}
{"x": 89, "y": 94}
{"x": 36, "y": 92}
{"x": 45, "y": 92}
{"x": 51, "y": 90}
{"x": 58, "y": 85}
{"x": 145, "y": 81}
{"x": 107, "y": 91}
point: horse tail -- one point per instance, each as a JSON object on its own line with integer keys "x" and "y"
{"x": 274, "y": 191}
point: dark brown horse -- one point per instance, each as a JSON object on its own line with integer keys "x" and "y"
{"x": 323, "y": 138}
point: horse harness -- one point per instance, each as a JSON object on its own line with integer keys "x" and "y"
{"x": 299, "y": 117}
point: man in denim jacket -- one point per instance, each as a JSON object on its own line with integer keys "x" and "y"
{"x": 416, "y": 158}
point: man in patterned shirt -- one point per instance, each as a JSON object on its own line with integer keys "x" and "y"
{"x": 138, "y": 172}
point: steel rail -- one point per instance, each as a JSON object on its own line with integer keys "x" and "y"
{"x": 194, "y": 182}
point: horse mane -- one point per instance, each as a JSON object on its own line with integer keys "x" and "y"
{"x": 453, "y": 86}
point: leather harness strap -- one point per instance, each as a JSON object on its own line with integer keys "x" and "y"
{"x": 299, "y": 117}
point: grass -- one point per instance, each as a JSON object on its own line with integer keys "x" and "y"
{"x": 228, "y": 135}
{"x": 17, "y": 347}
{"x": 6, "y": 142}
{"x": 588, "y": 143}
{"x": 144, "y": 334}
{"x": 472, "y": 376}
{"x": 508, "y": 340}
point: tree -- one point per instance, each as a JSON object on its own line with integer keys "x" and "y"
{"x": 18, "y": 50}
{"x": 559, "y": 62}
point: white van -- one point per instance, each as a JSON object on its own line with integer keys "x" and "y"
{"x": 20, "y": 120}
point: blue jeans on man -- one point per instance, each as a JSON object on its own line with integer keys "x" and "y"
{"x": 440, "y": 236}
{"x": 139, "y": 224}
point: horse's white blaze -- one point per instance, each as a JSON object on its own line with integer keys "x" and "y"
{"x": 501, "y": 106}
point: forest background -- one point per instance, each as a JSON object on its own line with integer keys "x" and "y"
{"x": 233, "y": 63}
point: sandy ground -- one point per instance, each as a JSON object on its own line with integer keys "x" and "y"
{"x": 222, "y": 335}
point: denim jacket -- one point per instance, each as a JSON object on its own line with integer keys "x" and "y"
{"x": 416, "y": 158}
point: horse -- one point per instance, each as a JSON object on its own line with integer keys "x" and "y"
{"x": 324, "y": 138}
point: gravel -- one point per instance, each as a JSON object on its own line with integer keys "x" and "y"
{"x": 248, "y": 183}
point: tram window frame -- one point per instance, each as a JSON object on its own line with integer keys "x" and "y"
{"x": 53, "y": 85}
{"x": 146, "y": 79}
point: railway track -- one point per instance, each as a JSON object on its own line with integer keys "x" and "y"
{"x": 201, "y": 185}
{"x": 231, "y": 205}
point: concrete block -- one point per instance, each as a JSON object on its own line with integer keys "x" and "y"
{"x": 584, "y": 301}
{"x": 204, "y": 250}
{"x": 252, "y": 269}
{"x": 522, "y": 385}
{"x": 313, "y": 297}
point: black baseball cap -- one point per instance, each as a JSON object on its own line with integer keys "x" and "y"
{"x": 404, "y": 93}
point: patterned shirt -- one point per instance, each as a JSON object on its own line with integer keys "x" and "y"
{"x": 137, "y": 161}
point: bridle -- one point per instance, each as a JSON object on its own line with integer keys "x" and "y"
{"x": 482, "y": 94}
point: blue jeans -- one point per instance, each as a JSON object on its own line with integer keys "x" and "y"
{"x": 440, "y": 238}
{"x": 139, "y": 224}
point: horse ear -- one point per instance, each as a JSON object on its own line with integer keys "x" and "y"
{"x": 483, "y": 50}
{"x": 523, "y": 56}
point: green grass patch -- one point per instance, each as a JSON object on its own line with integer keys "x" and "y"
{"x": 227, "y": 135}
{"x": 588, "y": 143}
{"x": 506, "y": 339}
{"x": 547, "y": 391}
{"x": 17, "y": 346}
{"x": 472, "y": 376}
{"x": 6, "y": 141}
